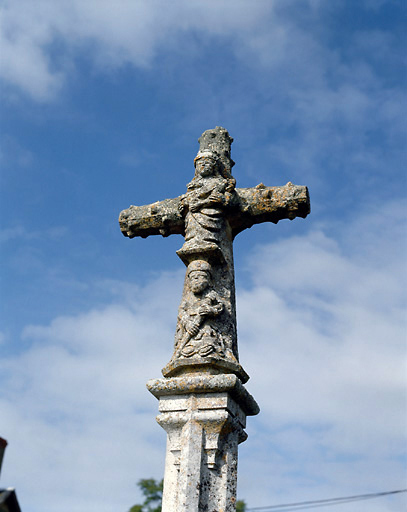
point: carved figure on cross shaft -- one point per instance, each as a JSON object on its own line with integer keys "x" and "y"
{"x": 197, "y": 330}
{"x": 208, "y": 195}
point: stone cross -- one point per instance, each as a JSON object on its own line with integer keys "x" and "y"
{"x": 202, "y": 398}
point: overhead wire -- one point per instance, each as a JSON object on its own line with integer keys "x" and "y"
{"x": 302, "y": 505}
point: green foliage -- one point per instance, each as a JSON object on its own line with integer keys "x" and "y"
{"x": 153, "y": 493}
{"x": 240, "y": 506}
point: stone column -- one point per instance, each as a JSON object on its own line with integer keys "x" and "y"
{"x": 204, "y": 416}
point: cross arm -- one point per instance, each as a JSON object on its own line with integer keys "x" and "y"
{"x": 160, "y": 218}
{"x": 268, "y": 204}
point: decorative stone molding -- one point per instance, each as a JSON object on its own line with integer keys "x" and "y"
{"x": 204, "y": 417}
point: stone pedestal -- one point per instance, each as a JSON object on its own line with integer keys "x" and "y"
{"x": 204, "y": 417}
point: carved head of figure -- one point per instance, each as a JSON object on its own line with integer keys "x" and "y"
{"x": 206, "y": 164}
{"x": 199, "y": 276}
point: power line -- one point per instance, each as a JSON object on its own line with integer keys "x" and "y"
{"x": 302, "y": 505}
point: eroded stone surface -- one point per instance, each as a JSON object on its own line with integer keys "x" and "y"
{"x": 209, "y": 215}
{"x": 197, "y": 384}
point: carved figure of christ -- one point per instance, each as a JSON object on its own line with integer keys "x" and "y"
{"x": 209, "y": 215}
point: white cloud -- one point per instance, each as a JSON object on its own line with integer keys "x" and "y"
{"x": 24, "y": 33}
{"x": 113, "y": 34}
{"x": 75, "y": 409}
{"x": 321, "y": 333}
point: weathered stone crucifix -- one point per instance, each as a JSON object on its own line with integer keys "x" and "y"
{"x": 205, "y": 363}
{"x": 210, "y": 215}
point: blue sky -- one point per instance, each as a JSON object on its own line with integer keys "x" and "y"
{"x": 102, "y": 104}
